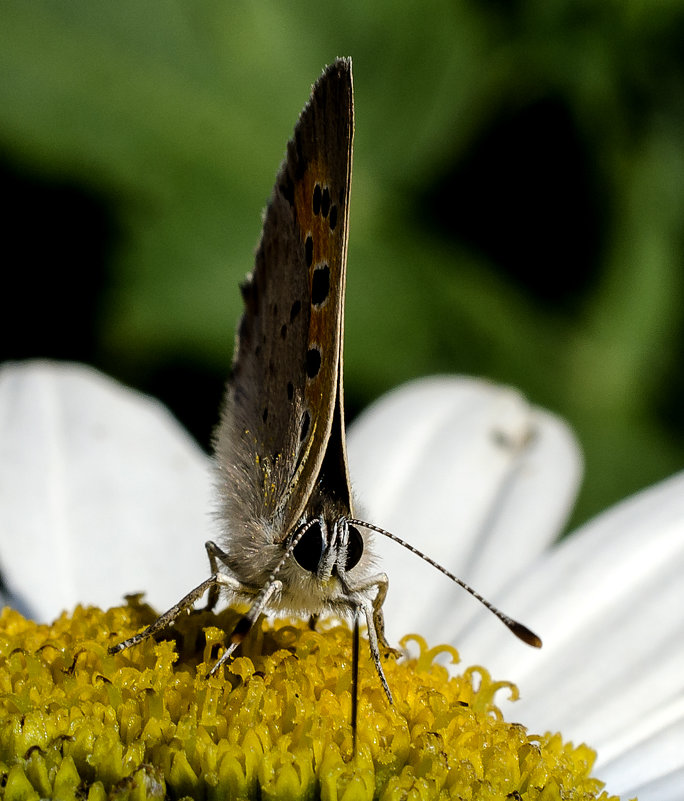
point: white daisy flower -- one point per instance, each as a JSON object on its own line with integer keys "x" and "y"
{"x": 102, "y": 493}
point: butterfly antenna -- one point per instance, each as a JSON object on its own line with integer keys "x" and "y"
{"x": 290, "y": 548}
{"x": 261, "y": 600}
{"x": 288, "y": 553}
{"x": 520, "y": 631}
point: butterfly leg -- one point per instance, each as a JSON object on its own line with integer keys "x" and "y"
{"x": 246, "y": 622}
{"x": 215, "y": 555}
{"x": 380, "y": 583}
{"x": 369, "y": 612}
{"x": 375, "y": 622}
{"x": 164, "y": 621}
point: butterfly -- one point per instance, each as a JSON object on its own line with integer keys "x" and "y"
{"x": 290, "y": 539}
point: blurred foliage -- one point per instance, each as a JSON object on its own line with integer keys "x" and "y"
{"x": 517, "y": 206}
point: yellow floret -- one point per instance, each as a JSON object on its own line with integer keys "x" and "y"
{"x": 147, "y": 723}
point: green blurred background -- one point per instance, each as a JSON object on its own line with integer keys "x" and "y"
{"x": 517, "y": 206}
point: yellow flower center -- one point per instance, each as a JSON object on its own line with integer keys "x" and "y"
{"x": 147, "y": 723}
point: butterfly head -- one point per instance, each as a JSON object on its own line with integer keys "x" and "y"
{"x": 326, "y": 549}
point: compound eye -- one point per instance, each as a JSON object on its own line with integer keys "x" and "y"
{"x": 354, "y": 548}
{"x": 309, "y": 549}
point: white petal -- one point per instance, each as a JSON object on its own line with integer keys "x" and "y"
{"x": 652, "y": 768}
{"x": 469, "y": 473}
{"x": 102, "y": 493}
{"x": 666, "y": 788}
{"x": 608, "y": 603}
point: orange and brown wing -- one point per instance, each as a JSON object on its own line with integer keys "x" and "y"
{"x": 281, "y": 396}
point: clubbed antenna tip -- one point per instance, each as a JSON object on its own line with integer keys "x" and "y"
{"x": 524, "y": 634}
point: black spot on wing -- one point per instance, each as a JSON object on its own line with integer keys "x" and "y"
{"x": 286, "y": 188}
{"x": 313, "y": 361}
{"x": 325, "y": 202}
{"x": 308, "y": 250}
{"x": 300, "y": 160}
{"x": 320, "y": 285}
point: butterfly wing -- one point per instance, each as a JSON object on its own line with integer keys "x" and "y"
{"x": 280, "y": 399}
